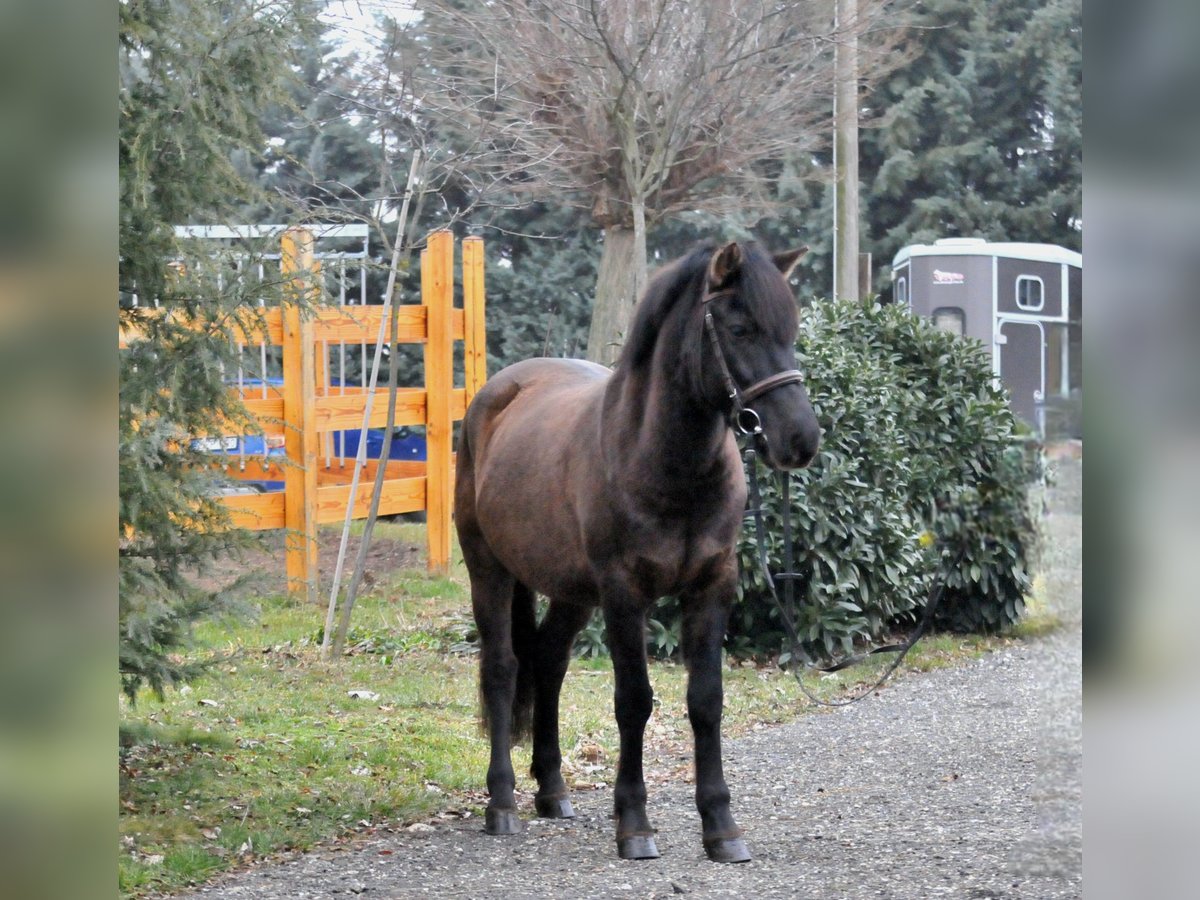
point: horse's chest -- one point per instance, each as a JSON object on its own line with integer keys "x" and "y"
{"x": 670, "y": 566}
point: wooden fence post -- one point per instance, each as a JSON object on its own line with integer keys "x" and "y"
{"x": 437, "y": 293}
{"x": 475, "y": 336}
{"x": 299, "y": 412}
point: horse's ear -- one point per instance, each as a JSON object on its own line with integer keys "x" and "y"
{"x": 724, "y": 263}
{"x": 786, "y": 261}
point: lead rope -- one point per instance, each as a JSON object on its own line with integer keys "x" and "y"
{"x": 787, "y": 605}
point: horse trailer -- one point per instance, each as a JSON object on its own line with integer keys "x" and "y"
{"x": 1022, "y": 301}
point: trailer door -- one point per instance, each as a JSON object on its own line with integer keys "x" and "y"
{"x": 1021, "y": 351}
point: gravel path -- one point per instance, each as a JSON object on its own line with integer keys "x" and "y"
{"x": 961, "y": 783}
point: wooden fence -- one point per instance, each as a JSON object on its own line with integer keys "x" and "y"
{"x": 309, "y": 407}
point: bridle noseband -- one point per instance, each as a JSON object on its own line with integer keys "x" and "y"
{"x": 741, "y": 416}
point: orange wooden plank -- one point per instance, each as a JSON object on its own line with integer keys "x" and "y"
{"x": 352, "y": 324}
{"x": 437, "y": 291}
{"x": 342, "y": 471}
{"x": 269, "y": 413}
{"x": 339, "y": 471}
{"x": 475, "y": 336}
{"x": 397, "y": 496}
{"x": 257, "y": 512}
{"x": 249, "y": 327}
{"x": 299, "y": 397}
{"x": 341, "y": 411}
{"x": 257, "y": 324}
{"x": 358, "y": 324}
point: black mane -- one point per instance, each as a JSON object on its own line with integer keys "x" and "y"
{"x": 685, "y": 276}
{"x": 759, "y": 290}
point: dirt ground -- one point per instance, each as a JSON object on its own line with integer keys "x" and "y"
{"x": 264, "y": 569}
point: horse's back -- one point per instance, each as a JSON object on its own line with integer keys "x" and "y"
{"x": 545, "y": 394}
{"x": 546, "y": 373}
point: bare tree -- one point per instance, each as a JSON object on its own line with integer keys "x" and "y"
{"x": 641, "y": 109}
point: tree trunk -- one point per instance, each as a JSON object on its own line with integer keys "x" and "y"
{"x": 618, "y": 285}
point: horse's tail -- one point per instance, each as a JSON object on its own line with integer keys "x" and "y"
{"x": 523, "y": 614}
{"x": 524, "y": 639}
{"x": 524, "y": 643}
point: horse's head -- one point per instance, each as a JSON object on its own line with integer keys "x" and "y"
{"x": 751, "y": 322}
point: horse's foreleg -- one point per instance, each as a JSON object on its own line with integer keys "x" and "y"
{"x": 704, "y": 620}
{"x": 555, "y": 637}
{"x": 491, "y": 600}
{"x": 633, "y": 700}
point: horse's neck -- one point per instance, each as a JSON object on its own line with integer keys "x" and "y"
{"x": 667, "y": 439}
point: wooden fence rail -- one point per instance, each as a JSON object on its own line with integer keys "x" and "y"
{"x": 308, "y": 407}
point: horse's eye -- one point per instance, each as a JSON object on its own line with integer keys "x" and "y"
{"x": 739, "y": 331}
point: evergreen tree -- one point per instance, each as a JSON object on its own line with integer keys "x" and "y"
{"x": 323, "y": 156}
{"x": 194, "y": 79}
{"x": 980, "y": 134}
{"x": 541, "y": 275}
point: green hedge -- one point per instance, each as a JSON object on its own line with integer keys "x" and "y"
{"x": 920, "y": 462}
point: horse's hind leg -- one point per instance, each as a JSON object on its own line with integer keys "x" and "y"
{"x": 492, "y": 600}
{"x": 704, "y": 620}
{"x": 555, "y": 637}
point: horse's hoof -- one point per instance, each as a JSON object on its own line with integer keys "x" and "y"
{"x": 501, "y": 821}
{"x": 553, "y": 807}
{"x": 637, "y": 846}
{"x": 727, "y": 850}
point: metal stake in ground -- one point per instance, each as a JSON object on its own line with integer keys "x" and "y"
{"x": 327, "y": 647}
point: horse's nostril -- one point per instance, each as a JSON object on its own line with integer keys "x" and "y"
{"x": 805, "y": 444}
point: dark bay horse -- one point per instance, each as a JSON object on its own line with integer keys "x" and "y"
{"x": 614, "y": 488}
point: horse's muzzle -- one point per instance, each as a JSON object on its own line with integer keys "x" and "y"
{"x": 795, "y": 448}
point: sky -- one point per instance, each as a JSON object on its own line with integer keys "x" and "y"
{"x": 354, "y": 20}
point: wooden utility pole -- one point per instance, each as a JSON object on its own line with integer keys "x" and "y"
{"x": 845, "y": 153}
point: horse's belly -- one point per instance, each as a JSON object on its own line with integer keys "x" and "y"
{"x": 527, "y": 511}
{"x": 535, "y": 538}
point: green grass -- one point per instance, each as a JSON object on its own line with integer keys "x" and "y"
{"x": 1039, "y": 619}
{"x": 268, "y": 753}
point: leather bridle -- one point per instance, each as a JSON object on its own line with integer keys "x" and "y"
{"x": 741, "y": 416}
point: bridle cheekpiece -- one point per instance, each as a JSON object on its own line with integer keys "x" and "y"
{"x": 741, "y": 416}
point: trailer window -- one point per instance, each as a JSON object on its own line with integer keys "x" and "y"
{"x": 902, "y": 290}
{"x": 1031, "y": 293}
{"x": 951, "y": 319}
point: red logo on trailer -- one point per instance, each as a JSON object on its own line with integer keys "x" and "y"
{"x": 940, "y": 277}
